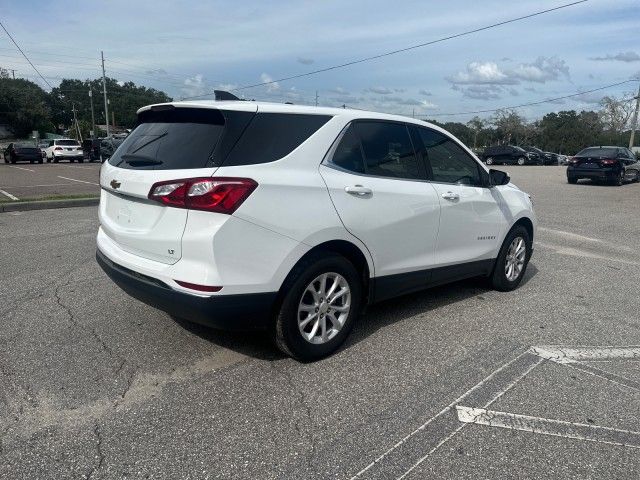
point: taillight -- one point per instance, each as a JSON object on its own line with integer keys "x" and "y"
{"x": 212, "y": 194}
{"x": 58, "y": 148}
{"x": 608, "y": 161}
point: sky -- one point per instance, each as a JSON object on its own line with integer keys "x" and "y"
{"x": 188, "y": 48}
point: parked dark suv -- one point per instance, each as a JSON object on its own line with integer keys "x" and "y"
{"x": 542, "y": 158}
{"x": 507, "y": 155}
{"x": 612, "y": 164}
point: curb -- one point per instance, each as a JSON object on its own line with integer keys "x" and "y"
{"x": 48, "y": 204}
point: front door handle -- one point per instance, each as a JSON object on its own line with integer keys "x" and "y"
{"x": 451, "y": 196}
{"x": 358, "y": 190}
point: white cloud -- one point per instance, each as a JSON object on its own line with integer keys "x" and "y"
{"x": 621, "y": 57}
{"x": 194, "y": 86}
{"x": 482, "y": 73}
{"x": 271, "y": 86}
{"x": 542, "y": 70}
{"x": 427, "y": 104}
{"x": 339, "y": 91}
{"x": 379, "y": 90}
{"x": 424, "y": 92}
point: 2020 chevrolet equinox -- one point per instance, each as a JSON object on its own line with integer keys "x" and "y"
{"x": 248, "y": 215}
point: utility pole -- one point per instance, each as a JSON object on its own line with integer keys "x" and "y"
{"x": 316, "y": 98}
{"x": 634, "y": 122}
{"x": 93, "y": 118}
{"x": 75, "y": 122}
{"x": 104, "y": 92}
{"x": 13, "y": 73}
{"x": 113, "y": 120}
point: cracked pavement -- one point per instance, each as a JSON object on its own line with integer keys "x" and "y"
{"x": 94, "y": 384}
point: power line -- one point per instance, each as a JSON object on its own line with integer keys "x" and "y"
{"x": 23, "y": 54}
{"x": 537, "y": 102}
{"x": 401, "y": 50}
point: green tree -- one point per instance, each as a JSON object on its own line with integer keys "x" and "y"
{"x": 23, "y": 106}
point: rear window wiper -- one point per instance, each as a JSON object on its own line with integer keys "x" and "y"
{"x": 138, "y": 160}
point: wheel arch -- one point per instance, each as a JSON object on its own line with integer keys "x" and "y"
{"x": 527, "y": 224}
{"x": 347, "y": 249}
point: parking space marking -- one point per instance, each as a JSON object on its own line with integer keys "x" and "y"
{"x": 21, "y": 168}
{"x": 12, "y": 197}
{"x": 34, "y": 186}
{"x": 444, "y": 425}
{"x": 547, "y": 426}
{"x": 560, "y": 354}
{"x": 80, "y": 181}
{"x": 570, "y": 234}
{"x": 72, "y": 166}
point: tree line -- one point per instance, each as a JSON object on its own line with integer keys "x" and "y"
{"x": 25, "y": 106}
{"x": 566, "y": 131}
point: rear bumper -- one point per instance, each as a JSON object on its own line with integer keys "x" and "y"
{"x": 600, "y": 173}
{"x": 241, "y": 312}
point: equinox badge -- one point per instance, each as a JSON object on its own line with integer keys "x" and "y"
{"x": 115, "y": 184}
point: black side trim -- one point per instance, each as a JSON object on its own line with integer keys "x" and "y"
{"x": 227, "y": 312}
{"x": 390, "y": 286}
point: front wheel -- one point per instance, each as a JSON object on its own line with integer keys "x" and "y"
{"x": 321, "y": 302}
{"x": 521, "y": 161}
{"x": 512, "y": 260}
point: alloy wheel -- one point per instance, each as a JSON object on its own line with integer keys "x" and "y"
{"x": 324, "y": 308}
{"x": 514, "y": 262}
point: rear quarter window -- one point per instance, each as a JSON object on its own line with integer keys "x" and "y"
{"x": 272, "y": 136}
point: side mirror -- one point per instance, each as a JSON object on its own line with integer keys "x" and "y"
{"x": 496, "y": 177}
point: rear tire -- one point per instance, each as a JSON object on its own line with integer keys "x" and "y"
{"x": 489, "y": 161}
{"x": 619, "y": 180}
{"x": 572, "y": 180}
{"x": 305, "y": 296}
{"x": 521, "y": 161}
{"x": 502, "y": 278}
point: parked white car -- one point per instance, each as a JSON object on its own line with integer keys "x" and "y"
{"x": 64, "y": 149}
{"x": 245, "y": 215}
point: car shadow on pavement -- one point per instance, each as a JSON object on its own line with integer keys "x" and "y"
{"x": 260, "y": 346}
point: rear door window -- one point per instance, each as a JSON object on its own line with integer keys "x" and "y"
{"x": 272, "y": 136}
{"x": 388, "y": 151}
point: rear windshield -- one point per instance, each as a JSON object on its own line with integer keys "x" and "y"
{"x": 26, "y": 146}
{"x": 67, "y": 143}
{"x": 185, "y": 138}
{"x": 598, "y": 152}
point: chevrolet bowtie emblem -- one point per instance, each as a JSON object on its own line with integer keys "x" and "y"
{"x": 115, "y": 184}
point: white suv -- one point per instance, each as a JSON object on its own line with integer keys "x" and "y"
{"x": 291, "y": 219}
{"x": 64, "y": 149}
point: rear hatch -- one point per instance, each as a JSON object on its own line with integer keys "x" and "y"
{"x": 170, "y": 143}
{"x": 28, "y": 151}
{"x": 591, "y": 158}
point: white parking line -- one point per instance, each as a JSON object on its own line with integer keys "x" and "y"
{"x": 21, "y": 168}
{"x": 547, "y": 426}
{"x": 12, "y": 197}
{"x": 560, "y": 354}
{"x": 80, "y": 181}
{"x": 34, "y": 186}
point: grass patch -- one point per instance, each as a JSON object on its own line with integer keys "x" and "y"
{"x": 50, "y": 197}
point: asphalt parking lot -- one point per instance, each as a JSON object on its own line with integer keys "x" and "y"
{"x": 27, "y": 181}
{"x": 457, "y": 382}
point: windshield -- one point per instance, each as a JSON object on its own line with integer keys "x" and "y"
{"x": 598, "y": 152}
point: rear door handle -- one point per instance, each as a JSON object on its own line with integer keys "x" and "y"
{"x": 451, "y": 196}
{"x": 358, "y": 190}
